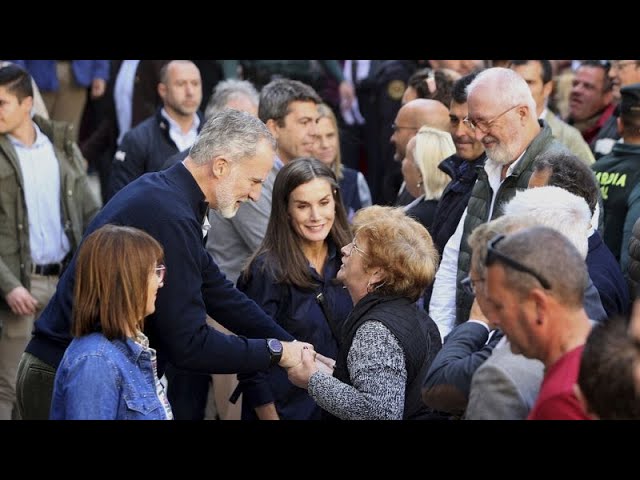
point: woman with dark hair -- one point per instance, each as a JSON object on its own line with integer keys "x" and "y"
{"x": 108, "y": 372}
{"x": 291, "y": 276}
{"x": 387, "y": 343}
{"x": 435, "y": 84}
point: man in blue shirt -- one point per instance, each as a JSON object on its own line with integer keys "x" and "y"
{"x": 226, "y": 166}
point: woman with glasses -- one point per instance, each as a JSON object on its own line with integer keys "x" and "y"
{"x": 292, "y": 277}
{"x": 423, "y": 179}
{"x": 108, "y": 372}
{"x": 353, "y": 186}
{"x": 387, "y": 344}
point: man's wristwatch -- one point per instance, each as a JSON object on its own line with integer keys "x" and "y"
{"x": 275, "y": 350}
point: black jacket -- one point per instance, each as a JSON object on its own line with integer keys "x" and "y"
{"x": 144, "y": 148}
{"x": 447, "y": 385}
{"x": 455, "y": 197}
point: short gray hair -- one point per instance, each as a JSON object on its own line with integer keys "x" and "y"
{"x": 569, "y": 172}
{"x": 484, "y": 232}
{"x": 551, "y": 255}
{"x": 232, "y": 133}
{"x": 226, "y": 91}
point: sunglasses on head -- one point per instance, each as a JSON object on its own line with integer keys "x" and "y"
{"x": 494, "y": 255}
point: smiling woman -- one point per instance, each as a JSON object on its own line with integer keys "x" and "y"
{"x": 387, "y": 343}
{"x": 292, "y": 277}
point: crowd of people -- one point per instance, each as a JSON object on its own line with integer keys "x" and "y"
{"x": 320, "y": 240}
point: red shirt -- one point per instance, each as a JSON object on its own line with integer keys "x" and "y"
{"x": 556, "y": 400}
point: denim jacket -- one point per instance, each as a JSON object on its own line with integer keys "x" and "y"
{"x": 100, "y": 379}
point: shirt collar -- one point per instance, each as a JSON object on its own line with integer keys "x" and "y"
{"x": 40, "y": 140}
{"x": 494, "y": 168}
{"x": 173, "y": 125}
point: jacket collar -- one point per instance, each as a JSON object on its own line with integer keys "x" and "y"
{"x": 129, "y": 348}
{"x": 454, "y": 167}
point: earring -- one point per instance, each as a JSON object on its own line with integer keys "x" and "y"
{"x": 368, "y": 286}
{"x": 419, "y": 184}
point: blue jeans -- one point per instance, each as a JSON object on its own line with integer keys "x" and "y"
{"x": 34, "y": 388}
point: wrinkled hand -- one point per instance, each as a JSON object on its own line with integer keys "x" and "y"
{"x": 21, "y": 302}
{"x": 292, "y": 353}
{"x": 301, "y": 373}
{"x": 325, "y": 364}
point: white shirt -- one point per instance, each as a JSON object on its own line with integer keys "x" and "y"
{"x": 123, "y": 95}
{"x": 442, "y": 308}
{"x": 182, "y": 140}
{"x": 352, "y": 115}
{"x": 41, "y": 179}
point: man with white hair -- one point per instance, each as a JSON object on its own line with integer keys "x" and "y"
{"x": 557, "y": 208}
{"x": 237, "y": 94}
{"x": 502, "y": 115}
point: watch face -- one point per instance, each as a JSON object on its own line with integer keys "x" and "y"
{"x": 274, "y": 345}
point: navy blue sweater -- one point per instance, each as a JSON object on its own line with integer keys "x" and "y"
{"x": 170, "y": 206}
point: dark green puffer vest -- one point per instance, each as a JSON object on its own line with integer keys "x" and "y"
{"x": 478, "y": 207}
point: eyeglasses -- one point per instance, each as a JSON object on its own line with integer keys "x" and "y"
{"x": 619, "y": 65}
{"x": 161, "y": 272}
{"x": 356, "y": 248}
{"x": 469, "y": 286}
{"x": 395, "y": 127}
{"x": 484, "y": 125}
{"x": 493, "y": 255}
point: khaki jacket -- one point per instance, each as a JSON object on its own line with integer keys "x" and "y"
{"x": 78, "y": 204}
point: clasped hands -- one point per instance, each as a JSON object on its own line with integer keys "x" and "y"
{"x": 301, "y": 361}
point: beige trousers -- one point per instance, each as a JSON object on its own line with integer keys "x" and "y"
{"x": 16, "y": 333}
{"x": 66, "y": 104}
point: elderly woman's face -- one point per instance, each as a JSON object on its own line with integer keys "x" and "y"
{"x": 352, "y": 273}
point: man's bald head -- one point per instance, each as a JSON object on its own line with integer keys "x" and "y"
{"x": 412, "y": 116}
{"x": 427, "y": 112}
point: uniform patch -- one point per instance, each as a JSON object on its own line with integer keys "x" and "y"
{"x": 120, "y": 155}
{"x": 395, "y": 89}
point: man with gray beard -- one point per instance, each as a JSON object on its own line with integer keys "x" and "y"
{"x": 234, "y": 151}
{"x": 502, "y": 115}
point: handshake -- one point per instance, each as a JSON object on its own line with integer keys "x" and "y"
{"x": 301, "y": 361}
